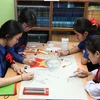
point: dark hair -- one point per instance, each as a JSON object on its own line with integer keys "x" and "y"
{"x": 82, "y": 24}
{"x": 11, "y": 28}
{"x": 98, "y": 30}
{"x": 27, "y": 16}
{"x": 93, "y": 44}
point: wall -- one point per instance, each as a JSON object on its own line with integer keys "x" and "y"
{"x": 6, "y": 10}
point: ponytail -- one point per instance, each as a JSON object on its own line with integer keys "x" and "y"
{"x": 95, "y": 26}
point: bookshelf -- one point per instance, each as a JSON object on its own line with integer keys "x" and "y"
{"x": 57, "y": 17}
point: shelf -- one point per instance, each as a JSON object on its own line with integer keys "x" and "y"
{"x": 59, "y": 15}
{"x": 30, "y": 6}
{"x": 41, "y": 28}
{"x": 93, "y": 9}
{"x": 52, "y": 29}
{"x": 61, "y": 29}
{"x": 67, "y": 0}
{"x": 30, "y": 0}
{"x": 81, "y": 0}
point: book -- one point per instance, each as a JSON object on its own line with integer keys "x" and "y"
{"x": 8, "y": 90}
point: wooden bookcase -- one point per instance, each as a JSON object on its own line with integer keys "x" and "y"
{"x": 50, "y": 5}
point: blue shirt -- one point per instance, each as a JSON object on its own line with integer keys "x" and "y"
{"x": 19, "y": 47}
{"x": 3, "y": 67}
{"x": 82, "y": 46}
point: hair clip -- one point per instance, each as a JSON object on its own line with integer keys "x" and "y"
{"x": 93, "y": 22}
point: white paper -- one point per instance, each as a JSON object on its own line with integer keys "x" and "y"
{"x": 58, "y": 81}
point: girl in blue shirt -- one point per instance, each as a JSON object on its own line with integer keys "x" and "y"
{"x": 10, "y": 32}
{"x": 83, "y": 30}
{"x": 27, "y": 19}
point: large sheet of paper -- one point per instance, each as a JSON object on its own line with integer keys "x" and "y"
{"x": 57, "y": 80}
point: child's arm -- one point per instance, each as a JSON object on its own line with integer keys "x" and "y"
{"x": 29, "y": 61}
{"x": 74, "y": 50}
{"x": 81, "y": 73}
{"x": 84, "y": 59}
{"x": 15, "y": 55}
{"x": 7, "y": 81}
{"x": 71, "y": 51}
{"x": 16, "y": 68}
{"x": 90, "y": 77}
{"x": 23, "y": 54}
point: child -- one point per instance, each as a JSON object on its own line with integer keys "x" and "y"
{"x": 84, "y": 30}
{"x": 27, "y": 19}
{"x": 93, "y": 84}
{"x": 10, "y": 33}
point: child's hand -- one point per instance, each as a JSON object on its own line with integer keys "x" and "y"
{"x": 26, "y": 28}
{"x": 27, "y": 76}
{"x": 29, "y": 61}
{"x": 23, "y": 54}
{"x": 81, "y": 73}
{"x": 17, "y": 69}
{"x": 62, "y": 53}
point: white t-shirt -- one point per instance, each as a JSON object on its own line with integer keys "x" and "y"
{"x": 93, "y": 88}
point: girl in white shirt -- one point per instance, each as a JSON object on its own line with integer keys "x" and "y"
{"x": 93, "y": 83}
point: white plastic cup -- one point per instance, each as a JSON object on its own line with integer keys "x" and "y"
{"x": 65, "y": 42}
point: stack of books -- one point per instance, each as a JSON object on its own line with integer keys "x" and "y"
{"x": 94, "y": 11}
{"x": 64, "y": 14}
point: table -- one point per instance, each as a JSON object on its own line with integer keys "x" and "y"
{"x": 11, "y": 73}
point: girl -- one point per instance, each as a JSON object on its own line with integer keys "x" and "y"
{"x": 10, "y": 33}
{"x": 93, "y": 84}
{"x": 84, "y": 30}
{"x": 27, "y": 19}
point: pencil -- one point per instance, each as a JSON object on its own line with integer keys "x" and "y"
{"x": 72, "y": 76}
{"x": 43, "y": 52}
{"x": 25, "y": 71}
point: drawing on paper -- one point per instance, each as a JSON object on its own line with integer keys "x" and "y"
{"x": 39, "y": 63}
{"x": 53, "y": 63}
{"x": 43, "y": 75}
{"x": 68, "y": 62}
{"x": 65, "y": 61}
{"x": 50, "y": 69}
